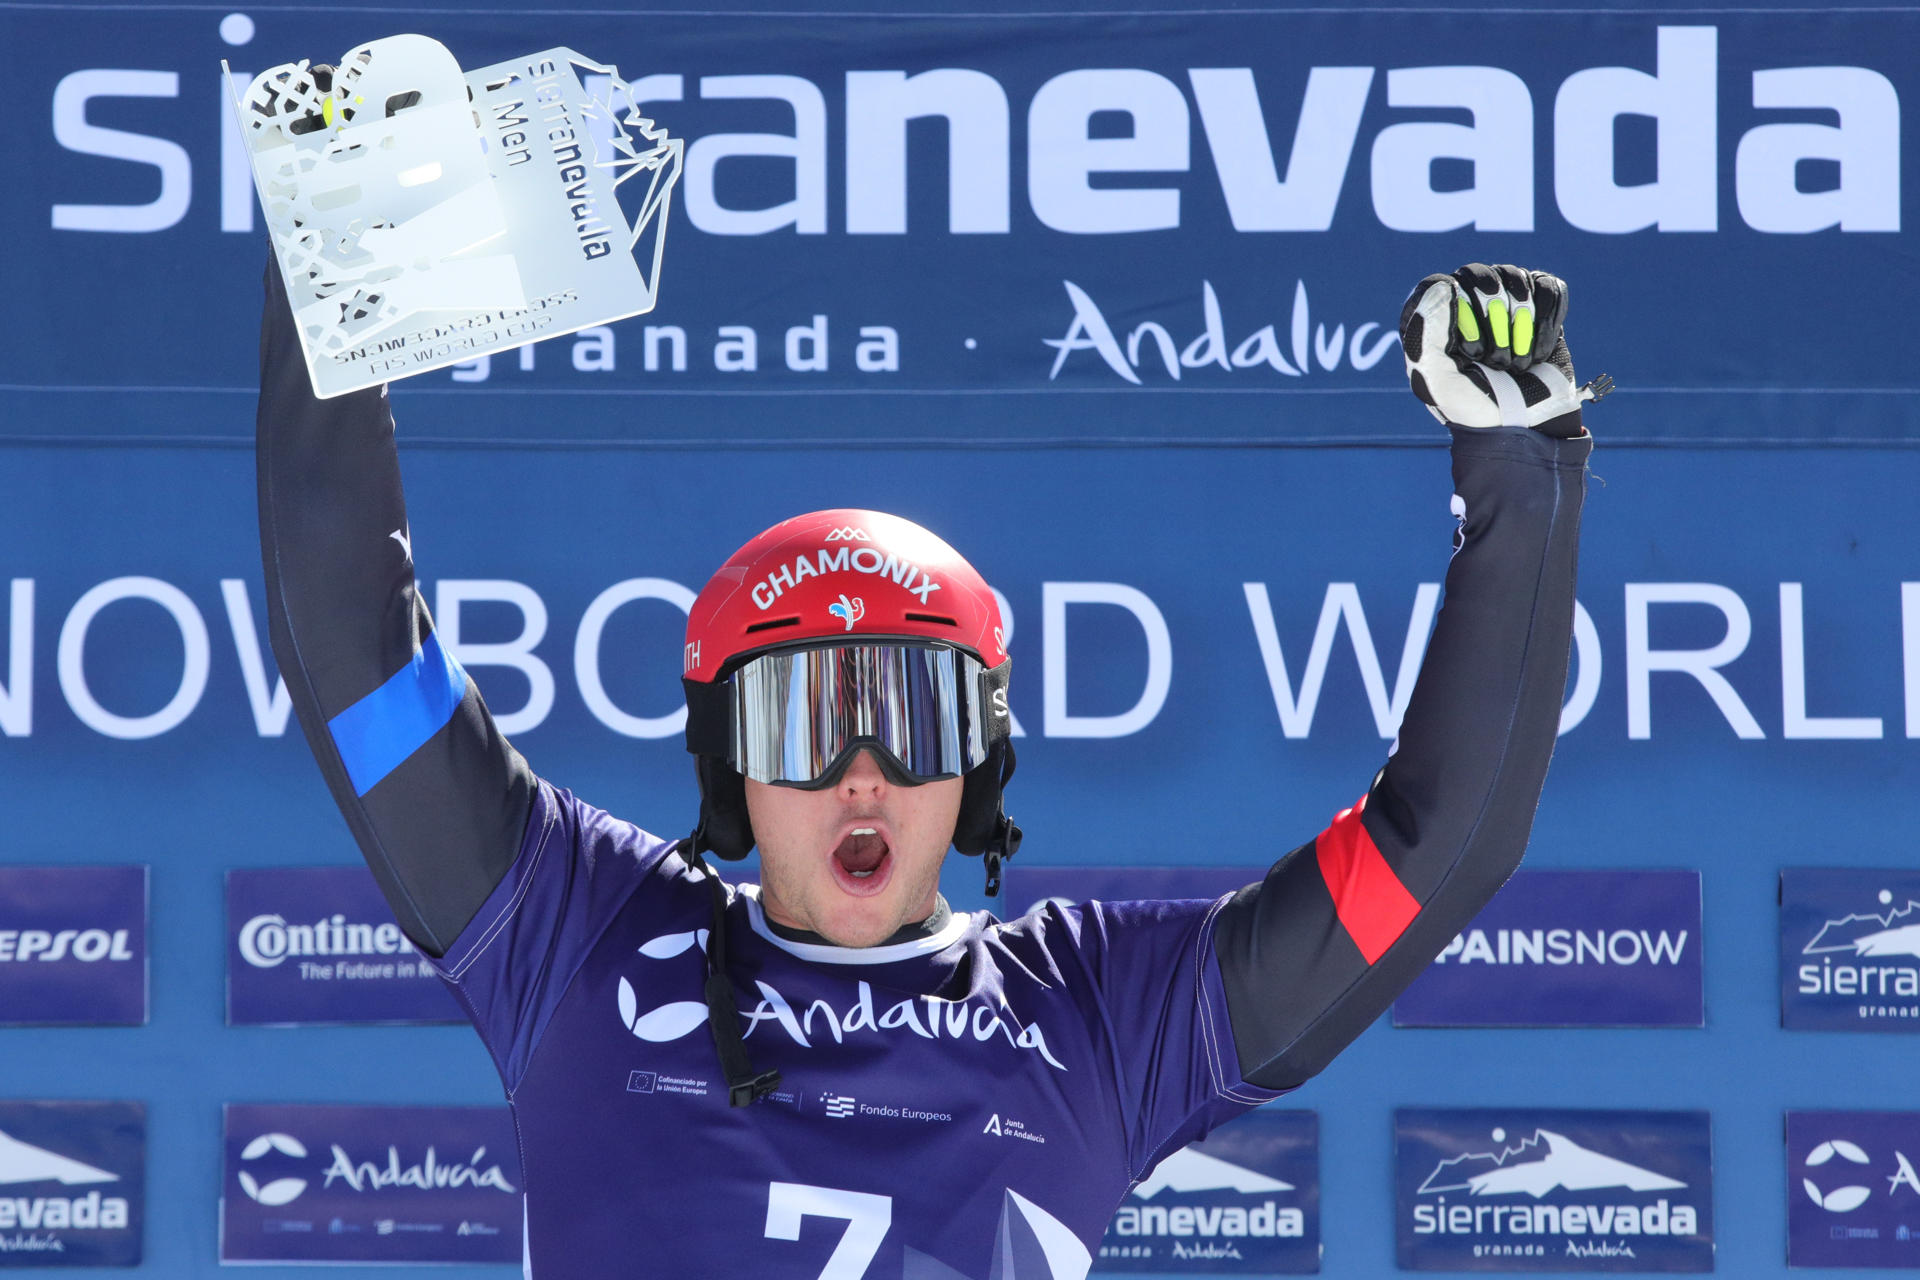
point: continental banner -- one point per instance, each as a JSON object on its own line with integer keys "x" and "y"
{"x": 318, "y": 945}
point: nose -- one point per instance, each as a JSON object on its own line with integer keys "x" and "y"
{"x": 863, "y": 777}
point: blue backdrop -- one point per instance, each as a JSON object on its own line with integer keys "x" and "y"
{"x": 1737, "y": 263}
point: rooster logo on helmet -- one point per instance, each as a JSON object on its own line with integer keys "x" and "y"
{"x": 849, "y": 611}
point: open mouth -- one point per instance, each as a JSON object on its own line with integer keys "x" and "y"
{"x": 862, "y": 861}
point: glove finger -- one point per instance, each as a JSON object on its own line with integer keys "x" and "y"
{"x": 1426, "y": 306}
{"x": 1481, "y": 325}
{"x": 1435, "y": 370}
{"x": 1501, "y": 306}
{"x": 1425, "y": 334}
{"x": 1517, "y": 283}
{"x": 1549, "y": 315}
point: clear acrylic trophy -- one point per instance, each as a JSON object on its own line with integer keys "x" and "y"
{"x": 423, "y": 216}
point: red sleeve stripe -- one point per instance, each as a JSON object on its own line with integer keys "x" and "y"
{"x": 1373, "y": 906}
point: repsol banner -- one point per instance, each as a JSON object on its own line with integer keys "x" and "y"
{"x": 1244, "y": 1201}
{"x": 369, "y": 1184}
{"x": 1107, "y": 207}
{"x": 73, "y": 945}
{"x": 1853, "y": 1197}
{"x": 318, "y": 945}
{"x": 1850, "y": 949}
{"x": 73, "y": 1179}
{"x": 1529, "y": 1189}
{"x": 1571, "y": 949}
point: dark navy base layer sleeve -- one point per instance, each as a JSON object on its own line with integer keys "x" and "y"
{"x": 1316, "y": 951}
{"x": 435, "y": 796}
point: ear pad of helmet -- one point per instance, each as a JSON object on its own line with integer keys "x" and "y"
{"x": 983, "y": 821}
{"x": 725, "y": 828}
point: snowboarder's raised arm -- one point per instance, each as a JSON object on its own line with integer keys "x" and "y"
{"x": 1312, "y": 954}
{"x": 437, "y": 799}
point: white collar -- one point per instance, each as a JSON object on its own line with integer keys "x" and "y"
{"x": 819, "y": 953}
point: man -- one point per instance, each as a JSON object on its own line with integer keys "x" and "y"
{"x": 846, "y": 679}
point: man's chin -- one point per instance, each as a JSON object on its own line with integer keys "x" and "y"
{"x": 859, "y": 928}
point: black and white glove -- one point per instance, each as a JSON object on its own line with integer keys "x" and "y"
{"x": 1484, "y": 348}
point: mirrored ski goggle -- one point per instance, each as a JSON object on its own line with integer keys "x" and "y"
{"x": 800, "y": 715}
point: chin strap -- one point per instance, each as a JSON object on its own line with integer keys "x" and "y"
{"x": 1005, "y": 843}
{"x": 745, "y": 1086}
{"x": 1005, "y": 840}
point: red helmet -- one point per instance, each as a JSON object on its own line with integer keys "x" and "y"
{"x": 831, "y": 584}
{"x": 831, "y": 574}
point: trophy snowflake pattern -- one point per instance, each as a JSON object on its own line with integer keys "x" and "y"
{"x": 423, "y": 216}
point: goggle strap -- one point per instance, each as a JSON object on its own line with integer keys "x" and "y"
{"x": 745, "y": 1086}
{"x": 998, "y": 721}
{"x": 709, "y": 717}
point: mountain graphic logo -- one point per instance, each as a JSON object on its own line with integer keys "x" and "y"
{"x": 1897, "y": 933}
{"x": 21, "y": 1162}
{"x": 1190, "y": 1170}
{"x": 1547, "y": 1161}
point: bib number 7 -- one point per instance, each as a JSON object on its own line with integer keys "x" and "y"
{"x": 867, "y": 1216}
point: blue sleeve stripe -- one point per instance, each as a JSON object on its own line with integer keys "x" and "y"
{"x": 377, "y": 733}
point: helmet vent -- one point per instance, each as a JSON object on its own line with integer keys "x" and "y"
{"x": 931, "y": 617}
{"x": 773, "y": 624}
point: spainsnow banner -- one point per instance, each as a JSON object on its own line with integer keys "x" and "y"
{"x": 73, "y": 945}
{"x": 1532, "y": 1189}
{"x": 73, "y": 1181}
{"x": 1571, "y": 949}
{"x": 318, "y": 945}
{"x": 1243, "y": 1201}
{"x": 369, "y": 1184}
{"x": 1849, "y": 949}
{"x": 1853, "y": 1197}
